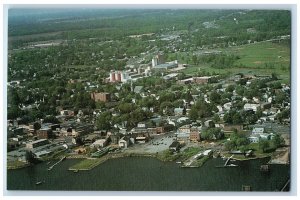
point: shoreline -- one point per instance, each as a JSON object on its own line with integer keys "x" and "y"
{"x": 103, "y": 159}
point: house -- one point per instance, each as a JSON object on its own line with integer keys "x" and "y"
{"x": 254, "y": 139}
{"x": 100, "y": 143}
{"x": 227, "y": 106}
{"x": 258, "y": 131}
{"x": 175, "y": 146}
{"x": 124, "y": 142}
{"x": 115, "y": 138}
{"x": 138, "y": 89}
{"x": 231, "y": 127}
{"x": 178, "y": 111}
{"x": 253, "y": 107}
{"x": 209, "y": 123}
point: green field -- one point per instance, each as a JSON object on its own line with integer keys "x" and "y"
{"x": 262, "y": 58}
{"x": 87, "y": 164}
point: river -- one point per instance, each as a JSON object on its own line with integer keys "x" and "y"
{"x": 150, "y": 174}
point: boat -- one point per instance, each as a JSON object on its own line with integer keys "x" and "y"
{"x": 49, "y": 168}
{"x": 178, "y": 162}
{"x": 39, "y": 182}
{"x": 75, "y": 171}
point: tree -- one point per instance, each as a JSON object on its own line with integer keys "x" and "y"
{"x": 230, "y": 145}
{"x": 263, "y": 145}
{"x": 277, "y": 141}
{"x": 29, "y": 157}
{"x": 215, "y": 97}
{"x": 193, "y": 114}
{"x": 103, "y": 121}
{"x": 36, "y": 125}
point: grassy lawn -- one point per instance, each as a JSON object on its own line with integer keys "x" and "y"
{"x": 167, "y": 155}
{"x": 16, "y": 164}
{"x": 86, "y": 164}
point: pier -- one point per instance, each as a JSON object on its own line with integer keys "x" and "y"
{"x": 225, "y": 164}
{"x": 51, "y": 167}
{"x": 285, "y": 186}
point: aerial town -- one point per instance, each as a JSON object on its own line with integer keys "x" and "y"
{"x": 164, "y": 100}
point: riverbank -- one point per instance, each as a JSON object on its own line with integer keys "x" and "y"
{"x": 90, "y": 163}
{"x": 17, "y": 164}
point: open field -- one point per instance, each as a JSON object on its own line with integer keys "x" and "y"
{"x": 263, "y": 58}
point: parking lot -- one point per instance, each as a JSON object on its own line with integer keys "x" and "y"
{"x": 157, "y": 144}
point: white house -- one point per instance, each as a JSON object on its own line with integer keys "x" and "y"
{"x": 227, "y": 106}
{"x": 123, "y": 142}
{"x": 253, "y": 139}
{"x": 259, "y": 131}
{"x": 253, "y": 107}
{"x": 99, "y": 143}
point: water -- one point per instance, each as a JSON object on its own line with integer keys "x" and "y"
{"x": 150, "y": 174}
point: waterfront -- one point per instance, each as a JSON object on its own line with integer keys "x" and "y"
{"x": 150, "y": 174}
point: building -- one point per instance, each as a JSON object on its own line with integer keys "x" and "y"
{"x": 232, "y": 127}
{"x": 118, "y": 76}
{"x": 202, "y": 80}
{"x": 166, "y": 66}
{"x": 77, "y": 129}
{"x": 102, "y": 96}
{"x": 44, "y": 133}
{"x": 178, "y": 111}
{"x": 194, "y": 135}
{"x": 37, "y": 143}
{"x": 158, "y": 60}
{"x": 159, "y": 130}
{"x": 258, "y": 131}
{"x": 124, "y": 142}
{"x": 100, "y": 143}
{"x": 253, "y": 139}
{"x": 253, "y": 107}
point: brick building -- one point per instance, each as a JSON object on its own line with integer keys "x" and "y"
{"x": 102, "y": 96}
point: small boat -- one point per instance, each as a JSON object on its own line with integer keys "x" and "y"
{"x": 38, "y": 182}
{"x": 178, "y": 162}
{"x": 75, "y": 171}
{"x": 50, "y": 168}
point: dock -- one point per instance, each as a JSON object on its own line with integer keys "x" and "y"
{"x": 264, "y": 168}
{"x": 51, "y": 167}
{"x": 246, "y": 188}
